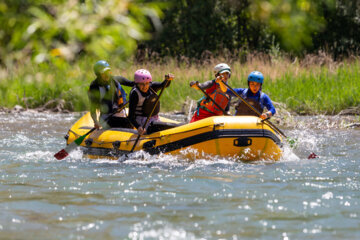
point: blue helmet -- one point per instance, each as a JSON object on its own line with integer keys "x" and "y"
{"x": 101, "y": 67}
{"x": 256, "y": 76}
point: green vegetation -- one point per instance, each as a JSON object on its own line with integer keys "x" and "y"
{"x": 48, "y": 48}
{"x": 304, "y": 88}
{"x": 74, "y": 29}
{"x": 319, "y": 90}
{"x": 197, "y": 29}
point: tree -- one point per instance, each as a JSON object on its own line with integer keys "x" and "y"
{"x": 296, "y": 26}
{"x": 64, "y": 28}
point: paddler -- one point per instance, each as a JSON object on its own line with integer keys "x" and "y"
{"x": 206, "y": 107}
{"x": 143, "y": 97}
{"x": 107, "y": 96}
{"x": 255, "y": 97}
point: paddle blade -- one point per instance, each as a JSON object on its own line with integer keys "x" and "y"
{"x": 65, "y": 152}
{"x": 222, "y": 86}
{"x": 312, "y": 156}
{"x": 61, "y": 154}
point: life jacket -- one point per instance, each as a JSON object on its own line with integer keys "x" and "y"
{"x": 221, "y": 98}
{"x": 146, "y": 104}
{"x": 243, "y": 110}
{"x": 109, "y": 100}
{"x": 120, "y": 98}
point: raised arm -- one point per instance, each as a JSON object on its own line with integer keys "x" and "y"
{"x": 204, "y": 85}
{"x": 156, "y": 86}
{"x": 124, "y": 81}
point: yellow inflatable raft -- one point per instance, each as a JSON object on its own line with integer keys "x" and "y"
{"x": 244, "y": 137}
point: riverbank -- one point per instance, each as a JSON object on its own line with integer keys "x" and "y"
{"x": 313, "y": 85}
{"x": 347, "y": 119}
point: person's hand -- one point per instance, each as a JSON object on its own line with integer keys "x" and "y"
{"x": 194, "y": 84}
{"x": 219, "y": 78}
{"x": 141, "y": 131}
{"x": 169, "y": 77}
{"x": 97, "y": 125}
{"x": 265, "y": 115}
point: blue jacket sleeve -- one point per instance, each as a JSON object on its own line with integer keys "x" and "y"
{"x": 268, "y": 104}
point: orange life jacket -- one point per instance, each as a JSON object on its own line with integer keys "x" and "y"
{"x": 221, "y": 98}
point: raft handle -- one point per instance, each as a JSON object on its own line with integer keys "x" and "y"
{"x": 116, "y": 144}
{"x": 88, "y": 142}
{"x": 218, "y": 125}
{"x": 242, "y": 142}
{"x": 149, "y": 144}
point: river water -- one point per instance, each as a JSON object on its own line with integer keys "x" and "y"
{"x": 170, "y": 197}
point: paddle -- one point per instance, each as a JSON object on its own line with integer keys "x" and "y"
{"x": 311, "y": 156}
{"x": 63, "y": 153}
{"x": 207, "y": 95}
{"x": 152, "y": 111}
{"x": 219, "y": 80}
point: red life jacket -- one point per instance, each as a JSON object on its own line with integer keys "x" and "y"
{"x": 221, "y": 98}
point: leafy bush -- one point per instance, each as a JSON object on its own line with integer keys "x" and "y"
{"x": 69, "y": 29}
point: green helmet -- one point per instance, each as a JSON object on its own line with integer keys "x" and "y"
{"x": 101, "y": 67}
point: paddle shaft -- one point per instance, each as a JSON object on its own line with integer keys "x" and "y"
{"x": 110, "y": 115}
{"x": 252, "y": 108}
{"x": 151, "y": 113}
{"x": 207, "y": 95}
{"x": 65, "y": 152}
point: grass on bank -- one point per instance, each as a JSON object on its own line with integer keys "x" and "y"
{"x": 314, "y": 85}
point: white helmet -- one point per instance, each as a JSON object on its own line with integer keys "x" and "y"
{"x": 222, "y": 67}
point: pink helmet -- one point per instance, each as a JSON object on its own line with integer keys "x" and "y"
{"x": 142, "y": 76}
